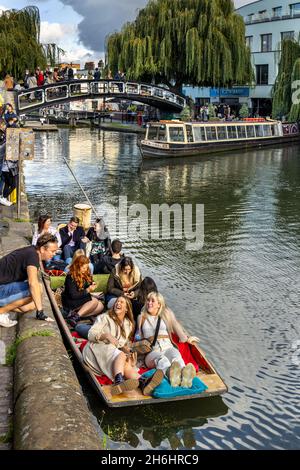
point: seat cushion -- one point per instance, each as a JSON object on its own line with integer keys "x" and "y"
{"x": 165, "y": 390}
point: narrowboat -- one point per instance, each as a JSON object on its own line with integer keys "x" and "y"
{"x": 213, "y": 383}
{"x": 179, "y": 139}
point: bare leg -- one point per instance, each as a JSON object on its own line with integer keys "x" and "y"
{"x": 93, "y": 307}
{"x": 17, "y": 304}
{"x": 119, "y": 364}
{"x": 130, "y": 372}
{"x": 26, "y": 308}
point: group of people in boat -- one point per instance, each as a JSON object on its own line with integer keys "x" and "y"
{"x": 131, "y": 309}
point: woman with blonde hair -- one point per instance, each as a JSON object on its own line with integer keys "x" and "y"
{"x": 107, "y": 351}
{"x": 76, "y": 297}
{"x": 165, "y": 355}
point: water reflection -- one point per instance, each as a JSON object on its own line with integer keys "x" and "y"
{"x": 239, "y": 294}
{"x": 161, "y": 426}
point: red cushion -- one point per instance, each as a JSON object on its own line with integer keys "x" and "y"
{"x": 185, "y": 351}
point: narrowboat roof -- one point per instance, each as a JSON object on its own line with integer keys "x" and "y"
{"x": 213, "y": 123}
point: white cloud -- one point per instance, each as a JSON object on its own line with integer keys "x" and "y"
{"x": 2, "y": 8}
{"x": 57, "y": 32}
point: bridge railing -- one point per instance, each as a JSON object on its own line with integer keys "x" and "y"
{"x": 45, "y": 95}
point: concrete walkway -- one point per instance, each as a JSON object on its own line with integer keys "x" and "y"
{"x": 12, "y": 236}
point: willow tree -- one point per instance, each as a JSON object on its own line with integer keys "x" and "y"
{"x": 294, "y": 114}
{"x": 199, "y": 42}
{"x": 20, "y": 47}
{"x": 282, "y": 91}
{"x": 53, "y": 54}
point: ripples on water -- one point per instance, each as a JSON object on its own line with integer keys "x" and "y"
{"x": 239, "y": 294}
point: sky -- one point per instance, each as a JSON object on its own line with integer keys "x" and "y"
{"x": 81, "y": 26}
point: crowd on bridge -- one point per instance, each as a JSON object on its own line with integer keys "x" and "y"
{"x": 52, "y": 75}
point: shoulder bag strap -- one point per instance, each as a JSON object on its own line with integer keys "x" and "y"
{"x": 156, "y": 332}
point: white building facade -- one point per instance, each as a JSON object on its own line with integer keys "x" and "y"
{"x": 268, "y": 23}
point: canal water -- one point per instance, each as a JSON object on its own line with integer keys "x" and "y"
{"x": 239, "y": 293}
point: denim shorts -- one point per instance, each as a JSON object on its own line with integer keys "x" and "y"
{"x": 13, "y": 291}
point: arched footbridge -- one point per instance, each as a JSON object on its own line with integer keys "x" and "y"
{"x": 63, "y": 92}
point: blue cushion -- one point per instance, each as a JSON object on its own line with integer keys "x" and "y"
{"x": 164, "y": 389}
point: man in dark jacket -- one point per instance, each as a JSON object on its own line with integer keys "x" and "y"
{"x": 72, "y": 239}
{"x": 109, "y": 262}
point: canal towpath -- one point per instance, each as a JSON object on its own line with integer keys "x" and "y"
{"x": 42, "y": 406}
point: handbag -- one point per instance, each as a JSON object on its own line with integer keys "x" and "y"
{"x": 145, "y": 346}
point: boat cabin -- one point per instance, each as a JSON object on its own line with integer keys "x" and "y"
{"x": 195, "y": 132}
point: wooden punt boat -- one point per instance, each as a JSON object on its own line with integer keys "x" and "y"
{"x": 207, "y": 373}
{"x": 182, "y": 139}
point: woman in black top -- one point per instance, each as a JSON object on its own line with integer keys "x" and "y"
{"x": 79, "y": 285}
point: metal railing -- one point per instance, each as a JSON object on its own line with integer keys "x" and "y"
{"x": 90, "y": 89}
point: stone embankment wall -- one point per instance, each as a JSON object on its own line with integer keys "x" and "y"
{"x": 49, "y": 409}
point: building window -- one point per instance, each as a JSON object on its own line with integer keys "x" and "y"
{"x": 262, "y": 74}
{"x": 277, "y": 12}
{"x": 266, "y": 42}
{"x": 249, "y": 42}
{"x": 287, "y": 35}
{"x": 249, "y": 18}
{"x": 295, "y": 9}
{"x": 262, "y": 14}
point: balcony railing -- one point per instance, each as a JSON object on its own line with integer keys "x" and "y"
{"x": 264, "y": 18}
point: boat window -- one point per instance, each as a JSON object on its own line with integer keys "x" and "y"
{"x": 176, "y": 134}
{"x": 162, "y": 133}
{"x": 199, "y": 133}
{"x": 250, "y": 131}
{"x": 222, "y": 134}
{"x": 267, "y": 130}
{"x": 152, "y": 132}
{"x": 231, "y": 132}
{"x": 211, "y": 133}
{"x": 259, "y": 131}
{"x": 189, "y": 133}
{"x": 241, "y": 131}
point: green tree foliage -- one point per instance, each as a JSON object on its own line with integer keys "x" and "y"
{"x": 199, "y": 42}
{"x": 53, "y": 54}
{"x": 282, "y": 91}
{"x": 20, "y": 47}
{"x": 244, "y": 111}
{"x": 186, "y": 114}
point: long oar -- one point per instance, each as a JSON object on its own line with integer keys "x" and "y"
{"x": 86, "y": 196}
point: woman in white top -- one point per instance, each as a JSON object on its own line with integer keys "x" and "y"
{"x": 44, "y": 226}
{"x": 165, "y": 355}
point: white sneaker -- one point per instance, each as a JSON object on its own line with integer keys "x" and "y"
{"x": 5, "y": 202}
{"x": 5, "y": 321}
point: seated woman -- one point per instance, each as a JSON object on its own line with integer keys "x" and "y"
{"x": 98, "y": 235}
{"x": 147, "y": 285}
{"x": 124, "y": 280}
{"x": 44, "y": 226}
{"x": 76, "y": 297}
{"x": 103, "y": 354}
{"x": 164, "y": 355}
{"x": 77, "y": 253}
